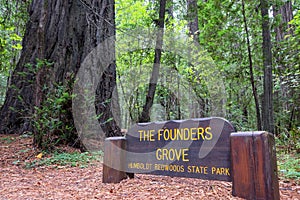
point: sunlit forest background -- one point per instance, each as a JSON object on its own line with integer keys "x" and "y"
{"x": 214, "y": 62}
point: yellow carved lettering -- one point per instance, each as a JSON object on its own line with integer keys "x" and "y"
{"x": 208, "y": 135}
{"x": 220, "y": 171}
{"x": 172, "y": 154}
{"x": 201, "y": 133}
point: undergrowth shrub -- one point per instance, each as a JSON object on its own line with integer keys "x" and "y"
{"x": 52, "y": 120}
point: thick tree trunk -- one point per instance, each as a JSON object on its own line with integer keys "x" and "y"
{"x": 267, "y": 117}
{"x": 62, "y": 33}
{"x": 18, "y": 106}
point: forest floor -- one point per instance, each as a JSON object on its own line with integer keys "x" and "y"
{"x": 20, "y": 179}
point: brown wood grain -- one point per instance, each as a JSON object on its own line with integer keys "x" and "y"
{"x": 254, "y": 169}
{"x": 114, "y": 160}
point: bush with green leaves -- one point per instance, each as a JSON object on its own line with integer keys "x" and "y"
{"x": 49, "y": 129}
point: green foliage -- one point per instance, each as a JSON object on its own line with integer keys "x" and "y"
{"x": 289, "y": 165}
{"x": 222, "y": 38}
{"x": 10, "y": 45}
{"x": 296, "y": 23}
{"x": 182, "y": 87}
{"x": 52, "y": 119}
{"x": 222, "y": 34}
{"x": 13, "y": 16}
{"x": 133, "y": 14}
{"x": 2, "y": 88}
{"x": 287, "y": 78}
{"x": 50, "y": 127}
{"x": 290, "y": 140}
{"x": 75, "y": 159}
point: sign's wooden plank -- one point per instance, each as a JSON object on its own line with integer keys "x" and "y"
{"x": 196, "y": 148}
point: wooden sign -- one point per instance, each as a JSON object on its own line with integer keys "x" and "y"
{"x": 197, "y": 148}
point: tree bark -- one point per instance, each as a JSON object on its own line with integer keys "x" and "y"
{"x": 193, "y": 22}
{"x": 268, "y": 121}
{"x": 285, "y": 12}
{"x": 145, "y": 115}
{"x": 63, "y": 33}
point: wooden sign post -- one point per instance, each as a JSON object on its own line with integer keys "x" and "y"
{"x": 254, "y": 168}
{"x": 114, "y": 160}
{"x": 199, "y": 148}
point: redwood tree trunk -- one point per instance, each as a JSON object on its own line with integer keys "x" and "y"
{"x": 285, "y": 12}
{"x": 63, "y": 33}
{"x": 268, "y": 121}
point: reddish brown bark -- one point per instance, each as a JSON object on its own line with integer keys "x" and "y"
{"x": 63, "y": 33}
